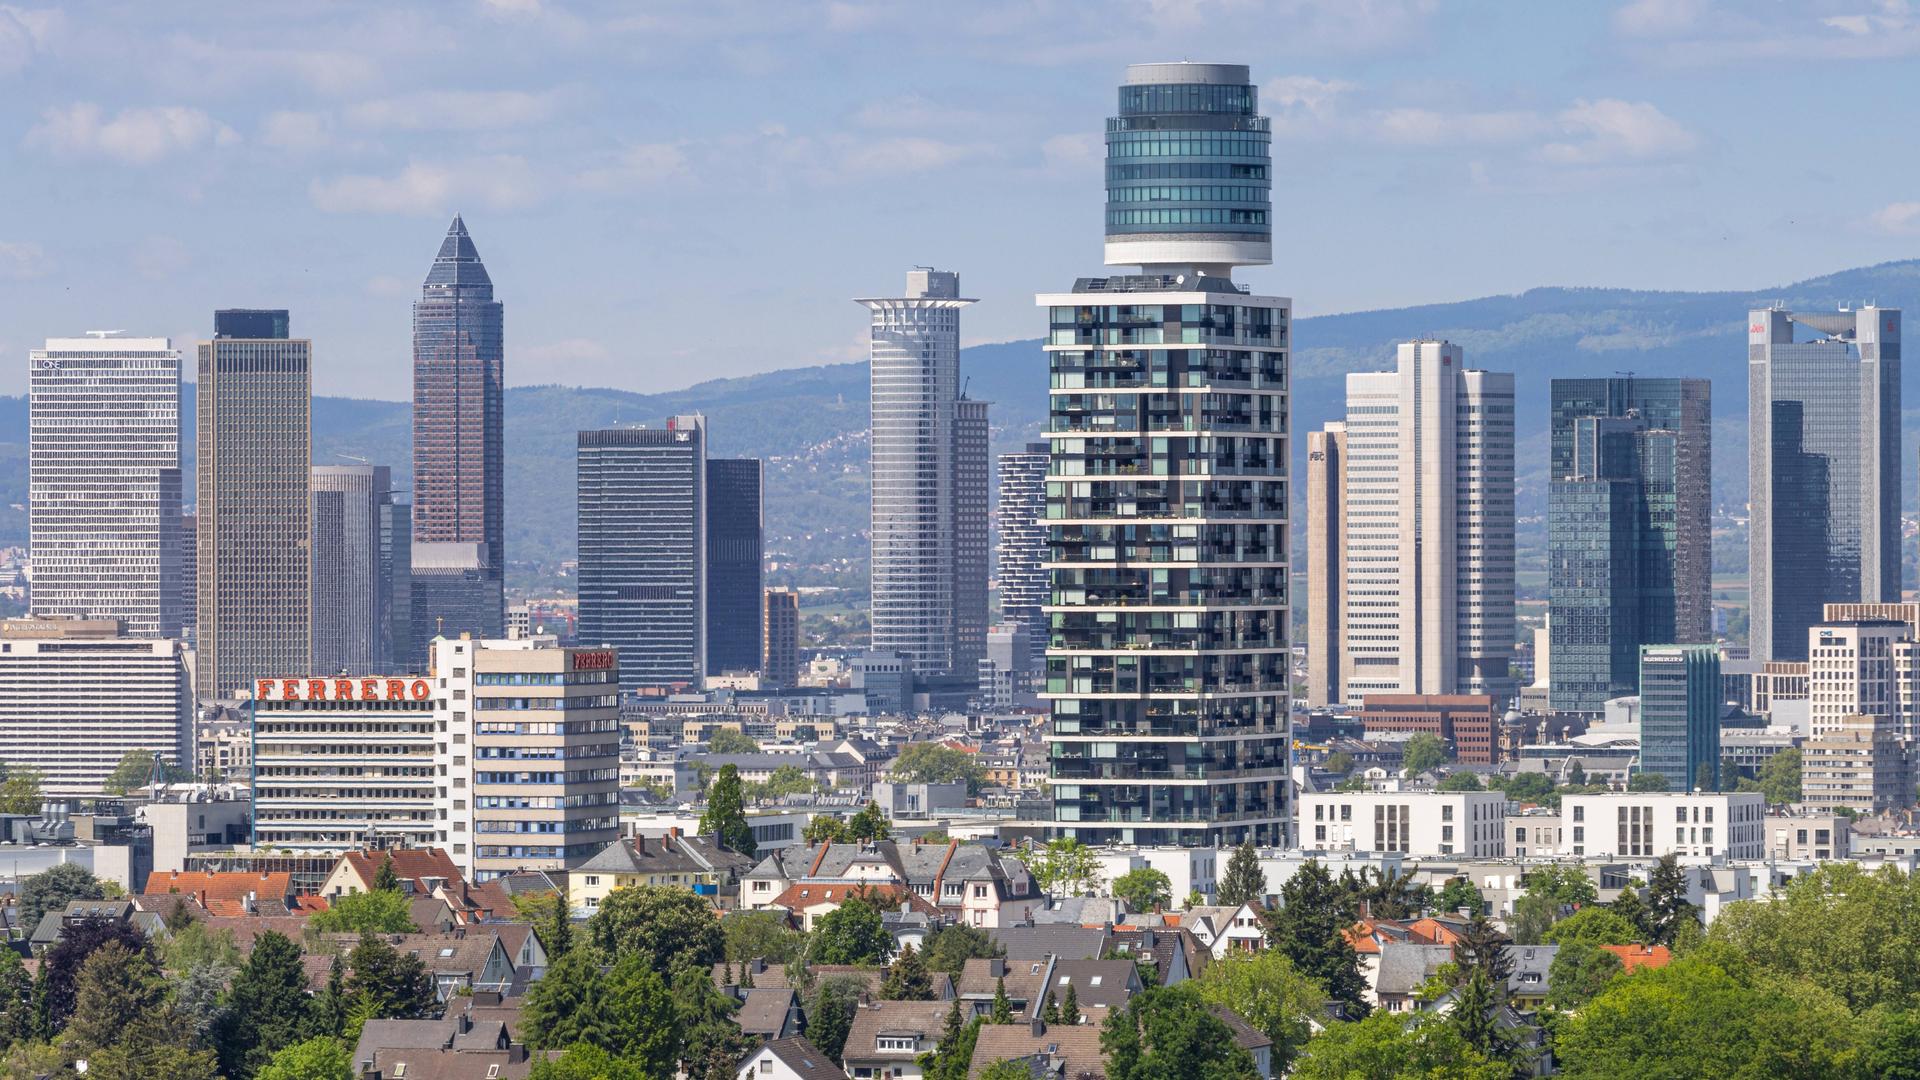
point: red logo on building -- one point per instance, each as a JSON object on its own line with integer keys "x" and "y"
{"x": 593, "y": 661}
{"x": 342, "y": 689}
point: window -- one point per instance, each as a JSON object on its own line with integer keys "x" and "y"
{"x": 1579, "y": 812}
{"x": 1446, "y": 813}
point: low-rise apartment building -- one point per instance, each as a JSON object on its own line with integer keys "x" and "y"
{"x": 1723, "y": 825}
{"x": 1465, "y": 823}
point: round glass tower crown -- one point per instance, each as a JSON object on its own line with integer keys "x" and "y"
{"x": 1188, "y": 184}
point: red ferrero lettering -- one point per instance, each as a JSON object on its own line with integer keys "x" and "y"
{"x": 316, "y": 689}
{"x": 343, "y": 689}
{"x": 396, "y": 690}
{"x": 421, "y": 691}
{"x": 290, "y": 689}
{"x": 262, "y": 689}
{"x": 369, "y": 689}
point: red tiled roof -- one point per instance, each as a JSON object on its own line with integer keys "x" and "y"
{"x": 1635, "y": 957}
{"x": 799, "y": 897}
{"x": 409, "y": 864}
{"x": 232, "y": 885}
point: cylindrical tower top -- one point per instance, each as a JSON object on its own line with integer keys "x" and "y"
{"x": 1188, "y": 171}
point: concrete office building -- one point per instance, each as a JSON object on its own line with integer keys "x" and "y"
{"x": 1649, "y": 825}
{"x": 1167, "y": 494}
{"x": 642, "y": 518}
{"x": 782, "y": 636}
{"x": 1823, "y": 469}
{"x": 352, "y": 593}
{"x": 532, "y": 763}
{"x": 1680, "y": 714}
{"x": 1629, "y": 536}
{"x": 1326, "y": 564}
{"x": 734, "y": 553}
{"x": 341, "y": 764}
{"x": 929, "y": 563}
{"x": 1470, "y": 824}
{"x": 104, "y": 481}
{"x": 459, "y": 449}
{"x": 253, "y": 461}
{"x": 1424, "y": 600}
{"x": 1852, "y": 672}
{"x": 76, "y": 695}
{"x": 1021, "y": 513}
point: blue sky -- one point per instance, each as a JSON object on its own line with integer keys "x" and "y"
{"x": 666, "y": 192}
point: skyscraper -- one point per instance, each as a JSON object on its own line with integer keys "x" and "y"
{"x": 254, "y": 448}
{"x": 924, "y": 604}
{"x": 1680, "y": 714}
{"x": 782, "y": 636}
{"x": 734, "y": 543}
{"x": 396, "y": 566}
{"x": 1022, "y": 516}
{"x": 1823, "y": 470}
{"x": 642, "y": 515}
{"x": 459, "y": 504}
{"x": 352, "y": 594}
{"x": 104, "y": 486}
{"x": 1630, "y": 551}
{"x": 1167, "y": 495}
{"x": 1326, "y": 563}
{"x": 1426, "y": 529}
{"x": 972, "y": 551}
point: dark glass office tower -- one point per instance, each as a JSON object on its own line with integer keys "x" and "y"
{"x": 642, "y": 503}
{"x": 253, "y": 466}
{"x": 1680, "y": 714}
{"x": 458, "y": 446}
{"x": 1629, "y": 531}
{"x": 1823, "y": 469}
{"x": 1167, "y": 665}
{"x": 396, "y": 566}
{"x": 352, "y": 594}
{"x": 733, "y": 565}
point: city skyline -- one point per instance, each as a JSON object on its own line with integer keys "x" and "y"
{"x": 340, "y": 155}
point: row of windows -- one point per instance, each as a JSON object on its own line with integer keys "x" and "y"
{"x": 1195, "y": 193}
{"x": 1130, "y": 144}
{"x": 1191, "y": 216}
{"x": 1187, "y": 170}
{"x": 1188, "y": 98}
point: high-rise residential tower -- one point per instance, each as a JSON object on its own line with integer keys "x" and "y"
{"x": 352, "y": 592}
{"x": 1022, "y": 517}
{"x": 254, "y": 451}
{"x": 1630, "y": 552}
{"x": 104, "y": 485}
{"x": 1167, "y": 493}
{"x": 1425, "y": 600}
{"x": 734, "y": 545}
{"x": 459, "y": 504}
{"x": 1823, "y": 469}
{"x": 926, "y": 601}
{"x": 782, "y": 637}
{"x": 642, "y": 516}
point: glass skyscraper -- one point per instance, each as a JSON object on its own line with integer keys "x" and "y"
{"x": 104, "y": 482}
{"x": 1679, "y": 690}
{"x": 254, "y": 508}
{"x": 734, "y": 543}
{"x": 352, "y": 594}
{"x": 1167, "y": 664}
{"x": 1823, "y": 446}
{"x": 459, "y": 504}
{"x": 1629, "y": 530}
{"x": 1022, "y": 517}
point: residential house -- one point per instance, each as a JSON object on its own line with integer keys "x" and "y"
{"x": 887, "y": 1038}
{"x": 454, "y": 1048}
{"x": 1635, "y": 957}
{"x": 1527, "y": 986}
{"x": 700, "y": 863}
{"x": 789, "y": 1059}
{"x": 54, "y": 924}
{"x": 1226, "y": 929}
{"x": 1175, "y": 953}
{"x": 1100, "y": 987}
{"x": 1052, "y": 939}
{"x": 1058, "y": 1052}
{"x": 770, "y": 1013}
{"x": 808, "y": 903}
{"x": 969, "y": 883}
{"x": 227, "y": 893}
{"x": 1026, "y": 983}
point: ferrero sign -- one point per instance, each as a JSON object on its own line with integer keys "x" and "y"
{"x": 342, "y": 688}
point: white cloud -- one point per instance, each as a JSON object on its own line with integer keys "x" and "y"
{"x": 510, "y": 7}
{"x": 1901, "y": 218}
{"x": 499, "y": 182}
{"x": 25, "y": 34}
{"x": 457, "y": 110}
{"x": 1611, "y": 131}
{"x": 1302, "y": 104}
{"x": 1658, "y": 18}
{"x": 303, "y": 132}
{"x": 637, "y": 166}
{"x": 392, "y": 288}
{"x": 1429, "y": 127}
{"x": 1074, "y": 153}
{"x": 21, "y": 260}
{"x": 902, "y": 154}
{"x": 138, "y": 136}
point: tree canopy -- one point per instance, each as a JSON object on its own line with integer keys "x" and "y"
{"x": 1064, "y": 867}
{"x": 1309, "y": 929}
{"x": 729, "y": 741}
{"x": 850, "y": 934}
{"x": 1170, "y": 1032}
{"x": 379, "y": 911}
{"x": 932, "y": 763}
{"x": 1422, "y": 752}
{"x": 1267, "y": 991}
{"x": 1244, "y": 881}
{"x": 669, "y": 925}
{"x": 1144, "y": 889}
{"x": 725, "y": 818}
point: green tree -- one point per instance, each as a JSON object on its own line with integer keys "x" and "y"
{"x": 387, "y": 984}
{"x": 268, "y": 1007}
{"x": 1533, "y": 916}
{"x": 19, "y": 1012}
{"x": 1482, "y": 947}
{"x": 1170, "y": 1032}
{"x": 1387, "y": 895}
{"x": 907, "y": 979}
{"x": 321, "y": 1058}
{"x": 585, "y": 1061}
{"x": 195, "y": 946}
{"x": 1473, "y": 1015}
{"x": 1339, "y": 762}
{"x": 1703, "y": 778}
{"x": 830, "y": 1013}
{"x": 711, "y": 1041}
{"x": 949, "y": 949}
{"x": 669, "y": 924}
{"x": 640, "y": 1015}
{"x": 785, "y": 780}
{"x": 1529, "y": 787}
{"x": 729, "y": 741}
{"x": 61, "y": 965}
{"x": 550, "y": 917}
{"x": 1267, "y": 991}
{"x": 868, "y": 825}
{"x": 952, "y": 1056}
{"x": 1070, "y": 1006}
{"x": 1003, "y": 1069}
{"x": 124, "y": 1026}
{"x": 760, "y": 935}
{"x": 1893, "y": 1044}
{"x": 726, "y": 816}
{"x": 135, "y": 770}
{"x": 1422, "y": 753}
{"x": 1459, "y": 894}
{"x": 1002, "y": 1004}
{"x": 1385, "y": 1046}
{"x": 562, "y": 1008}
{"x": 1567, "y": 886}
{"x": 1842, "y": 928}
{"x": 1667, "y": 904}
{"x": 20, "y": 792}
{"x": 331, "y": 1004}
{"x": 1595, "y": 925}
{"x": 1779, "y": 779}
{"x": 377, "y": 912}
{"x": 1647, "y": 781}
{"x": 53, "y": 888}
{"x": 1064, "y": 867}
{"x": 932, "y": 763}
{"x": 1143, "y": 889}
{"x": 1460, "y": 781}
{"x": 1244, "y": 882}
{"x": 1576, "y": 774}
{"x": 1309, "y": 929}
{"x": 1580, "y": 969}
{"x": 824, "y": 829}
{"x": 850, "y": 934}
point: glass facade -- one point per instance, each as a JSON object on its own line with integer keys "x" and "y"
{"x": 733, "y": 565}
{"x": 1189, "y": 130}
{"x": 1022, "y": 517}
{"x": 458, "y": 426}
{"x": 352, "y": 596}
{"x": 1679, "y": 690}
